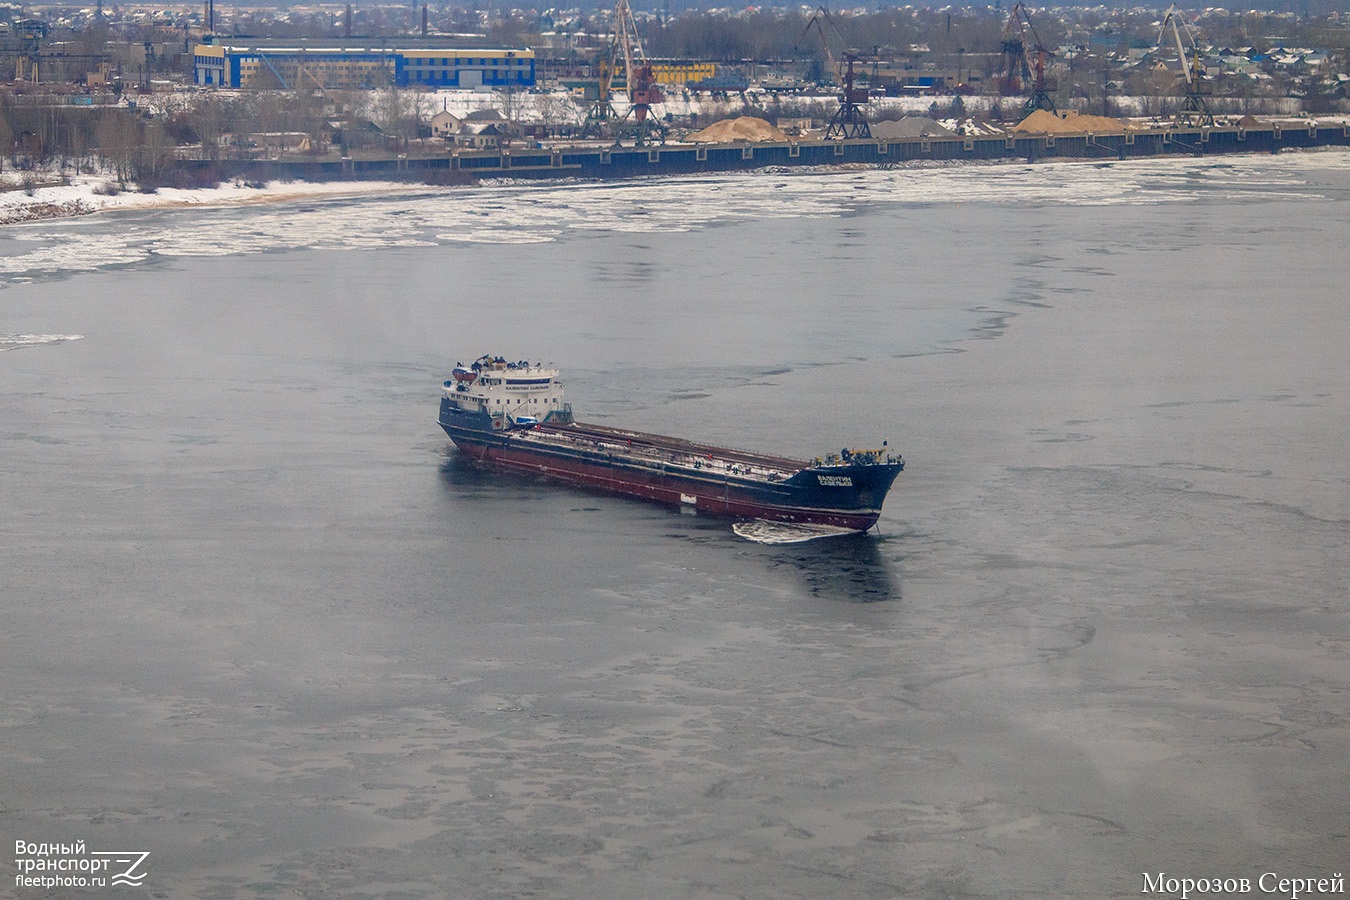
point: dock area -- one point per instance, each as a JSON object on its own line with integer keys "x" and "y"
{"x": 463, "y": 166}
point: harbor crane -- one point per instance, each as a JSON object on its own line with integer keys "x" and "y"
{"x": 1023, "y": 66}
{"x": 639, "y": 76}
{"x": 849, "y": 120}
{"x": 600, "y": 115}
{"x": 639, "y": 82}
{"x": 1194, "y": 108}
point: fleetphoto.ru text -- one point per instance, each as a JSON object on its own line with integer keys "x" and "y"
{"x": 54, "y": 865}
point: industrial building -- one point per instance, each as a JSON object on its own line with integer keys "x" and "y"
{"x": 345, "y": 68}
{"x": 681, "y": 72}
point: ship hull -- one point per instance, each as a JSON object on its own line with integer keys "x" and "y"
{"x": 842, "y": 496}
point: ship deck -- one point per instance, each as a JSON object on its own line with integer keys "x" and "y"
{"x": 670, "y": 450}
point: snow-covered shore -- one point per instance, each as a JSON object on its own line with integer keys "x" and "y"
{"x": 33, "y": 197}
{"x": 85, "y": 195}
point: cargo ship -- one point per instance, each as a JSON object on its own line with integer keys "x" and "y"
{"x": 513, "y": 414}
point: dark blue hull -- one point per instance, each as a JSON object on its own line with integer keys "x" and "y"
{"x": 671, "y": 470}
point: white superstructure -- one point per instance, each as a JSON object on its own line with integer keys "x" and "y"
{"x": 511, "y": 393}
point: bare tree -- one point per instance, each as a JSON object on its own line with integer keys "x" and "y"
{"x": 397, "y": 113}
{"x": 510, "y": 104}
{"x": 118, "y": 135}
{"x": 6, "y": 138}
{"x": 208, "y": 123}
{"x": 155, "y": 155}
{"x": 422, "y": 110}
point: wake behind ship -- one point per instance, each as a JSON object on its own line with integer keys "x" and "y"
{"x": 513, "y": 414}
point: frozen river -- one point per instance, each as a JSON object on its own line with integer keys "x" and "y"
{"x": 260, "y": 621}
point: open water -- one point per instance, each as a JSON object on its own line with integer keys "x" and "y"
{"x": 259, "y": 620}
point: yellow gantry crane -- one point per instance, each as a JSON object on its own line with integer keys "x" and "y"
{"x": 600, "y": 114}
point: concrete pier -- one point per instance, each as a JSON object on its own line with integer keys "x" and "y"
{"x": 627, "y": 162}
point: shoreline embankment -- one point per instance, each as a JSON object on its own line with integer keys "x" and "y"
{"x": 463, "y": 166}
{"x": 239, "y": 182}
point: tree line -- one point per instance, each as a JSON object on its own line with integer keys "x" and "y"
{"x": 133, "y": 146}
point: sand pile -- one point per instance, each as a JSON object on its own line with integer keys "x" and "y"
{"x": 1043, "y": 122}
{"x": 745, "y": 128}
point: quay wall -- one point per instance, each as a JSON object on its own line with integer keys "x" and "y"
{"x": 628, "y": 162}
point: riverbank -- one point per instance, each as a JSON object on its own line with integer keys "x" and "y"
{"x": 28, "y": 199}
{"x": 83, "y": 195}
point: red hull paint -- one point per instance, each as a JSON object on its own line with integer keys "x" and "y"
{"x": 664, "y": 487}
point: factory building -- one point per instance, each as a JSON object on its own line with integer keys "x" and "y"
{"x": 681, "y": 71}
{"x": 343, "y": 68}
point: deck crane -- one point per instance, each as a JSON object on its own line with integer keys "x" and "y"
{"x": 1194, "y": 108}
{"x": 849, "y": 121}
{"x": 1023, "y": 65}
